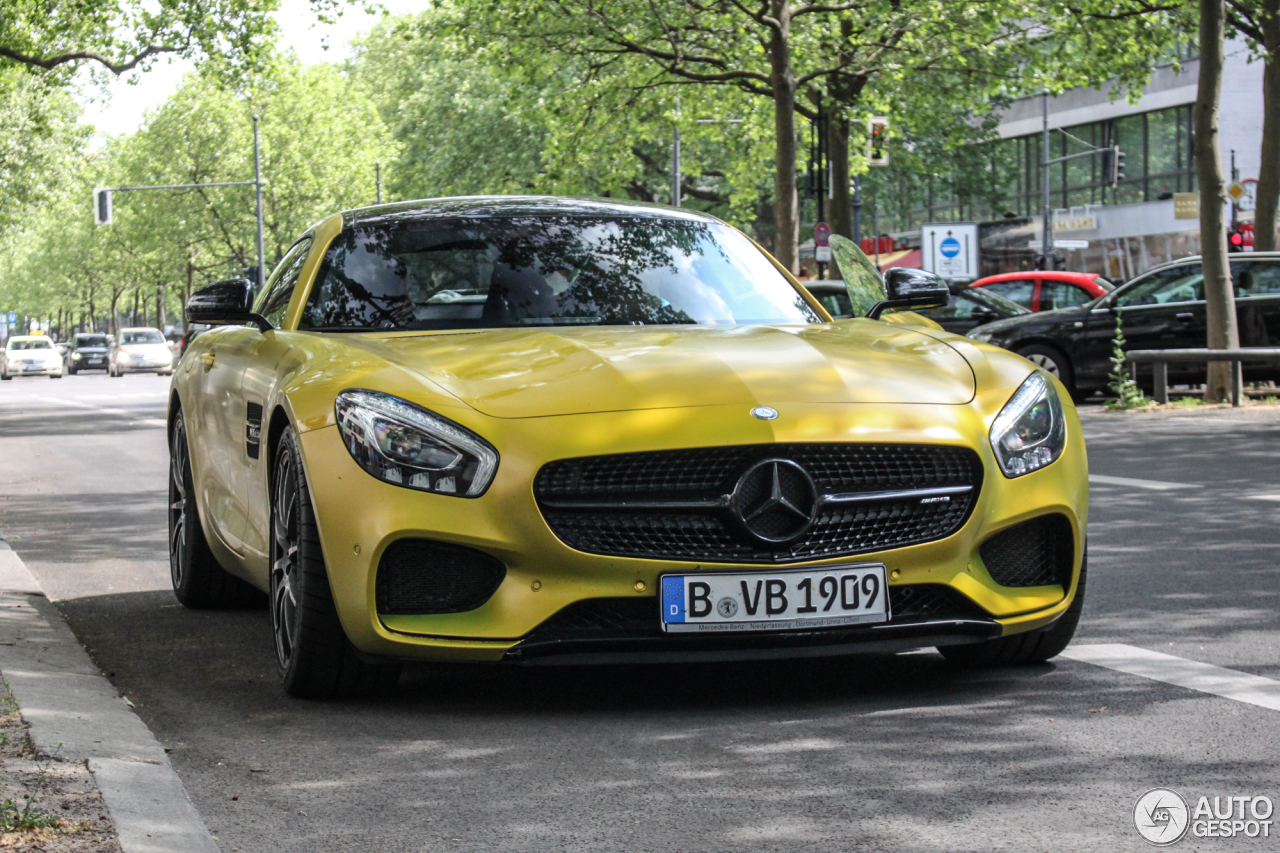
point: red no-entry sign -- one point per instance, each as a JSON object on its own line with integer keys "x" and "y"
{"x": 821, "y": 234}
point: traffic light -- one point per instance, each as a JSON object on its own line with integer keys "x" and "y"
{"x": 877, "y": 137}
{"x": 1041, "y": 262}
{"x": 101, "y": 207}
{"x": 1235, "y": 240}
{"x": 1113, "y": 165}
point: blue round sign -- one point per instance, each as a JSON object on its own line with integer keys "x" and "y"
{"x": 950, "y": 247}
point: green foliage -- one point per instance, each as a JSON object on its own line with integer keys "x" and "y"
{"x": 1122, "y": 383}
{"x": 320, "y": 143}
{"x": 1186, "y": 403}
{"x": 25, "y": 818}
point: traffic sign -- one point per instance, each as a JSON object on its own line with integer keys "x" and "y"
{"x": 13, "y": 318}
{"x": 950, "y": 249}
{"x": 1236, "y": 190}
{"x": 822, "y": 234}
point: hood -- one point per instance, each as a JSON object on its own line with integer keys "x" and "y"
{"x": 1046, "y": 318}
{"x": 145, "y": 349}
{"x": 513, "y": 373}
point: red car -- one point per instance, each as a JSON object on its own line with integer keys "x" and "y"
{"x": 1045, "y": 291}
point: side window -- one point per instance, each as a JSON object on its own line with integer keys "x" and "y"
{"x": 1256, "y": 279}
{"x": 1017, "y": 291}
{"x": 275, "y": 299}
{"x": 1183, "y": 283}
{"x": 1061, "y": 294}
{"x": 961, "y": 307}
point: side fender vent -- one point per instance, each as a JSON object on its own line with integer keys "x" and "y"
{"x": 253, "y": 430}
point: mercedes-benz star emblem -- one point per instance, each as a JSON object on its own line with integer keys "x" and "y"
{"x": 775, "y": 501}
{"x": 764, "y": 413}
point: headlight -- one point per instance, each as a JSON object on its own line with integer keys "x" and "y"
{"x": 122, "y": 357}
{"x": 401, "y": 443}
{"x": 75, "y": 356}
{"x": 1029, "y": 432}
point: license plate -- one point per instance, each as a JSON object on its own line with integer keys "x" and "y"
{"x": 775, "y": 601}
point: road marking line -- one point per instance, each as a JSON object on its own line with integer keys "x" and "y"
{"x": 1154, "y": 485}
{"x": 1265, "y": 497}
{"x": 1180, "y": 672}
{"x": 84, "y": 406}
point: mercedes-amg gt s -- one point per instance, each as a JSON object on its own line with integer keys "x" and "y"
{"x": 539, "y": 430}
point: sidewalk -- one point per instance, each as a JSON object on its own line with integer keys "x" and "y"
{"x": 74, "y": 715}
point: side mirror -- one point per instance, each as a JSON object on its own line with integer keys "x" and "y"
{"x": 227, "y": 303}
{"x": 907, "y": 288}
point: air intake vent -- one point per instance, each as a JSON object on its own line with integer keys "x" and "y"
{"x": 1038, "y": 552}
{"x": 418, "y": 576}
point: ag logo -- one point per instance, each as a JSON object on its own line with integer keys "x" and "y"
{"x": 1161, "y": 816}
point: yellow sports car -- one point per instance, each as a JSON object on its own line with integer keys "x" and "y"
{"x": 548, "y": 430}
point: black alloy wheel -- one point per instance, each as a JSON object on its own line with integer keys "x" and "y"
{"x": 198, "y": 581}
{"x": 313, "y": 655}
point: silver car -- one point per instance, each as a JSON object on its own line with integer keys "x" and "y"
{"x": 30, "y": 355}
{"x": 140, "y": 351}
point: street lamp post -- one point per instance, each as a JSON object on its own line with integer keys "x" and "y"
{"x": 257, "y": 185}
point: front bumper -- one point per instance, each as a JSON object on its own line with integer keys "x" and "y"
{"x": 20, "y": 369}
{"x": 544, "y": 576}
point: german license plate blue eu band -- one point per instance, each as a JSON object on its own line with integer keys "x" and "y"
{"x": 718, "y": 602}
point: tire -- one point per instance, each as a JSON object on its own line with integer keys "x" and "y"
{"x": 1051, "y": 360}
{"x": 198, "y": 581}
{"x": 71, "y": 370}
{"x": 314, "y": 658}
{"x": 5, "y": 377}
{"x": 1028, "y": 647}
{"x": 55, "y": 375}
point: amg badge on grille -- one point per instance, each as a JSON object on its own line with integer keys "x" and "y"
{"x": 764, "y": 413}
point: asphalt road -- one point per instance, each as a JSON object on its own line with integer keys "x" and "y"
{"x": 872, "y": 753}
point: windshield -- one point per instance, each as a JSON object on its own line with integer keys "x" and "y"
{"x": 20, "y": 345}
{"x": 546, "y": 271}
{"x": 146, "y": 336}
{"x": 91, "y": 341}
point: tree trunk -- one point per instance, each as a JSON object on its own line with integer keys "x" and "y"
{"x": 1220, "y": 309}
{"x": 839, "y": 212}
{"x": 1264, "y": 221}
{"x": 786, "y": 202}
{"x": 160, "y": 307}
{"x": 115, "y": 311}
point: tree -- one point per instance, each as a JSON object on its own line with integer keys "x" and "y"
{"x": 1259, "y": 22}
{"x": 800, "y": 54}
{"x": 121, "y": 35}
{"x": 1220, "y": 309}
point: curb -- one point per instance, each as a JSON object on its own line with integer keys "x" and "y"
{"x": 75, "y": 713}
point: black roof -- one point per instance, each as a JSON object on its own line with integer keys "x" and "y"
{"x": 515, "y": 205}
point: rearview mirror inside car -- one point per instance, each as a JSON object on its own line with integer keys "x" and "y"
{"x": 227, "y": 303}
{"x": 908, "y": 288}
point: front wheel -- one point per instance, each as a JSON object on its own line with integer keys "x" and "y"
{"x": 1028, "y": 647}
{"x": 313, "y": 655}
{"x": 1051, "y": 361}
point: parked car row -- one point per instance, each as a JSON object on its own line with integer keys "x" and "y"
{"x": 1163, "y": 308}
{"x": 135, "y": 350}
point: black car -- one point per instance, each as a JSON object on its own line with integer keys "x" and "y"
{"x": 87, "y": 352}
{"x": 968, "y": 307}
{"x": 1161, "y": 309}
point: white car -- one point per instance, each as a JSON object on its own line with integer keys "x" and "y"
{"x": 30, "y": 355}
{"x": 140, "y": 351}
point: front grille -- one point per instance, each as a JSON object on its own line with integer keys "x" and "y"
{"x": 418, "y": 576}
{"x": 638, "y": 618}
{"x": 1038, "y": 552}
{"x": 675, "y": 504}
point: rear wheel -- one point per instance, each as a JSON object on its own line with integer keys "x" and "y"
{"x": 1029, "y": 647}
{"x": 313, "y": 655}
{"x": 198, "y": 581}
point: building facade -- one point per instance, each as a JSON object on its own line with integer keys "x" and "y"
{"x": 1115, "y": 231}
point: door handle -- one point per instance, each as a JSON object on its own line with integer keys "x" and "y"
{"x": 1185, "y": 315}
